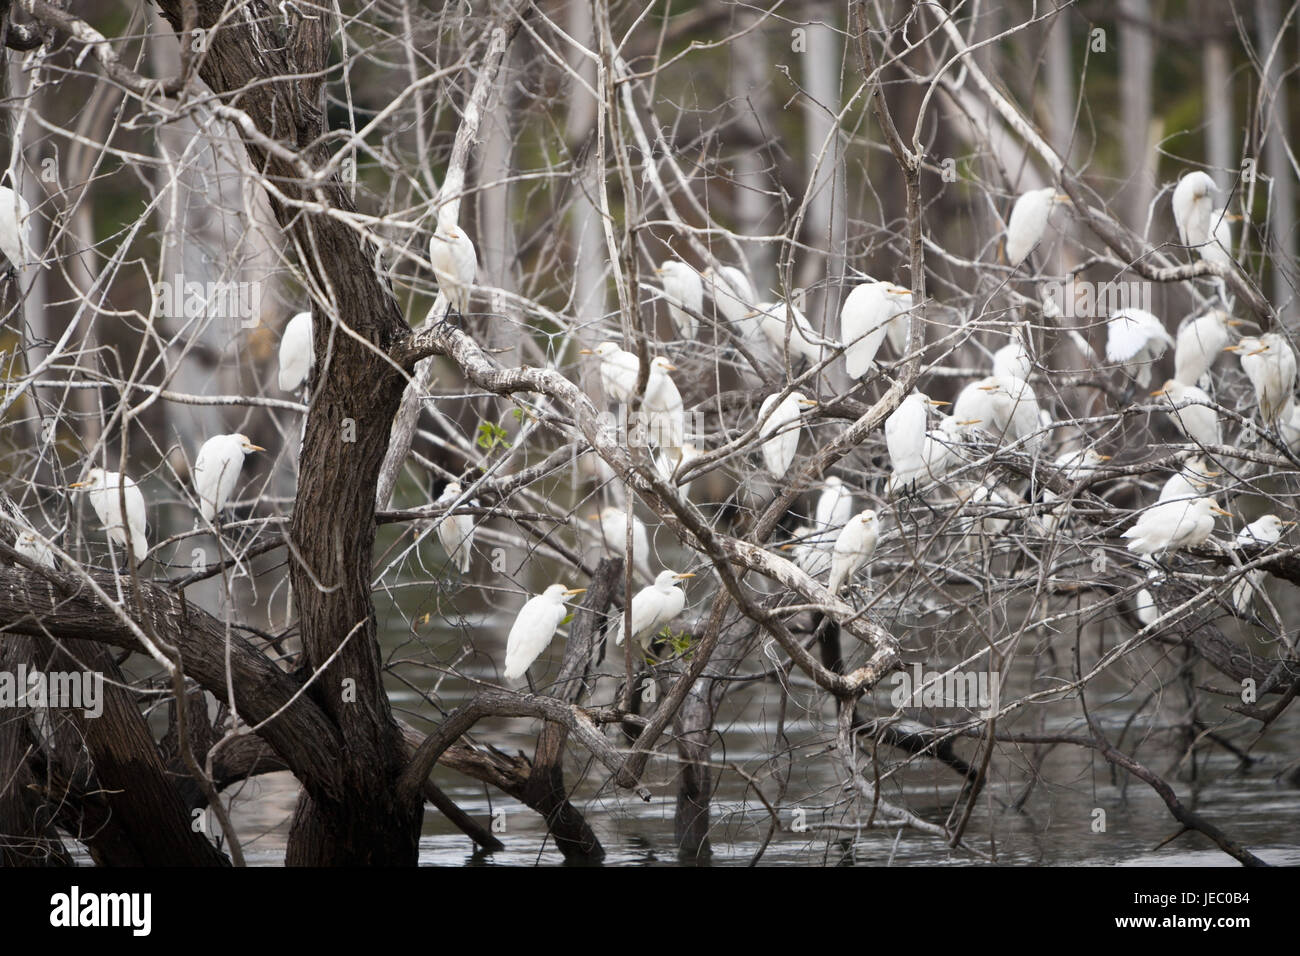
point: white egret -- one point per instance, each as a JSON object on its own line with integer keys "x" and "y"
{"x": 685, "y": 294}
{"x": 868, "y": 311}
{"x": 1193, "y": 205}
{"x": 1192, "y": 480}
{"x": 1288, "y": 424}
{"x": 988, "y": 525}
{"x": 779, "y": 432}
{"x": 613, "y": 531}
{"x": 1028, "y": 222}
{"x": 854, "y": 545}
{"x": 1219, "y": 248}
{"x": 13, "y": 228}
{"x": 1013, "y": 360}
{"x": 1171, "y": 525}
{"x": 618, "y": 370}
{"x": 106, "y": 489}
{"x": 1199, "y": 422}
{"x": 1265, "y": 531}
{"x": 216, "y": 471}
{"x": 1144, "y": 605}
{"x": 1004, "y": 406}
{"x": 1199, "y": 343}
{"x": 455, "y": 264}
{"x": 653, "y": 607}
{"x": 940, "y": 454}
{"x": 296, "y": 352}
{"x": 731, "y": 293}
{"x": 534, "y": 628}
{"x": 30, "y": 546}
{"x": 804, "y": 342}
{"x": 899, "y": 328}
{"x": 1270, "y": 364}
{"x": 834, "y": 504}
{"x": 905, "y": 439}
{"x": 811, "y": 549}
{"x": 664, "y": 403}
{"x": 1135, "y": 339}
{"x": 456, "y": 532}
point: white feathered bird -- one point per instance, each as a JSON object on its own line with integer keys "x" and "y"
{"x": 1028, "y": 222}
{"x": 834, "y": 504}
{"x": 1193, "y": 204}
{"x": 105, "y": 489}
{"x": 1270, "y": 364}
{"x": 906, "y": 433}
{"x": 685, "y": 294}
{"x": 216, "y": 471}
{"x": 30, "y": 545}
{"x": 779, "y": 432}
{"x": 296, "y": 352}
{"x": 618, "y": 370}
{"x": 868, "y": 312}
{"x": 1199, "y": 344}
{"x": 1199, "y": 422}
{"x": 1171, "y": 525}
{"x": 613, "y": 531}
{"x": 13, "y": 228}
{"x": 653, "y": 607}
{"x": 854, "y": 546}
{"x": 455, "y": 264}
{"x": 456, "y": 532}
{"x": 1265, "y": 531}
{"x": 534, "y": 627}
{"x": 1135, "y": 339}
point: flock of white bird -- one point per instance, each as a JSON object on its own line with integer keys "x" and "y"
{"x": 924, "y": 444}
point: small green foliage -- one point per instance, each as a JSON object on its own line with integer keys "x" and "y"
{"x": 567, "y": 618}
{"x": 491, "y": 436}
{"x": 681, "y": 642}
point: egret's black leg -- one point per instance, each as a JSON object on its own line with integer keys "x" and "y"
{"x": 532, "y": 688}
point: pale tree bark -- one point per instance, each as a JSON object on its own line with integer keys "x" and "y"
{"x": 1137, "y": 61}
{"x": 1277, "y": 165}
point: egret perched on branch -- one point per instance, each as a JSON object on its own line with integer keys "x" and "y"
{"x": 456, "y": 532}
{"x": 685, "y": 294}
{"x": 1219, "y": 248}
{"x": 905, "y": 439}
{"x": 105, "y": 489}
{"x": 534, "y": 628}
{"x": 779, "y": 432}
{"x": 731, "y": 293}
{"x": 613, "y": 531}
{"x": 618, "y": 370}
{"x": 1265, "y": 532}
{"x": 455, "y": 264}
{"x": 1192, "y": 480}
{"x": 216, "y": 471}
{"x": 1013, "y": 360}
{"x": 854, "y": 545}
{"x": 868, "y": 312}
{"x": 1199, "y": 422}
{"x": 664, "y": 402}
{"x": 1144, "y": 605}
{"x": 1199, "y": 343}
{"x": 1135, "y": 339}
{"x": 296, "y": 352}
{"x": 1193, "y": 205}
{"x": 1171, "y": 525}
{"x": 1004, "y": 406}
{"x": 13, "y": 228}
{"x": 811, "y": 550}
{"x": 1029, "y": 221}
{"x": 804, "y": 342}
{"x": 30, "y": 546}
{"x": 1270, "y": 364}
{"x": 834, "y": 504}
{"x": 653, "y": 607}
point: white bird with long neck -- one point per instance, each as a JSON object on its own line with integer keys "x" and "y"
{"x": 1199, "y": 344}
{"x": 1193, "y": 204}
{"x": 456, "y": 532}
{"x": 216, "y": 471}
{"x": 654, "y": 607}
{"x": 534, "y": 628}
{"x": 618, "y": 370}
{"x": 297, "y": 353}
{"x": 32, "y": 547}
{"x": 779, "y": 431}
{"x": 1262, "y": 532}
{"x": 455, "y": 264}
{"x": 613, "y": 532}
{"x": 1192, "y": 411}
{"x": 834, "y": 504}
{"x": 106, "y": 489}
{"x": 1028, "y": 222}
{"x": 1171, "y": 525}
{"x": 868, "y": 312}
{"x": 664, "y": 403}
{"x": 1135, "y": 339}
{"x": 685, "y": 294}
{"x": 1270, "y": 364}
{"x": 854, "y": 546}
{"x": 906, "y": 436}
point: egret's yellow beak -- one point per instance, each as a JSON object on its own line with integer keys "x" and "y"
{"x": 586, "y": 352}
{"x": 1103, "y": 457}
{"x": 1288, "y": 522}
{"x": 659, "y": 272}
{"x": 1158, "y": 393}
{"x": 79, "y": 484}
{"x": 251, "y": 447}
{"x": 987, "y": 388}
{"x": 595, "y": 517}
{"x": 1220, "y": 511}
{"x": 574, "y": 591}
{"x": 1234, "y": 323}
{"x": 750, "y": 315}
{"x": 1258, "y": 351}
{"x": 786, "y": 547}
{"x": 936, "y": 402}
{"x": 1061, "y": 197}
{"x": 668, "y": 368}
{"x": 683, "y": 577}
{"x": 808, "y": 402}
{"x": 1233, "y": 216}
{"x": 971, "y": 421}
{"x": 899, "y": 290}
